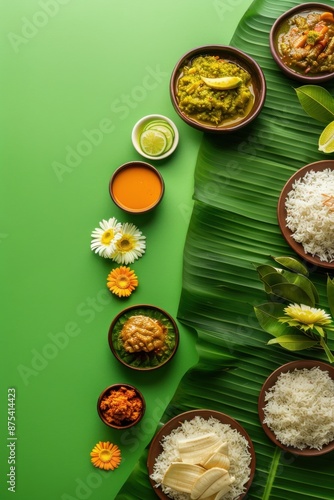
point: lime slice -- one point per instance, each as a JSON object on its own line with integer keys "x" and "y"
{"x": 326, "y": 139}
{"x": 223, "y": 83}
{"x": 157, "y": 121}
{"x": 154, "y": 123}
{"x": 166, "y": 131}
{"x": 153, "y": 142}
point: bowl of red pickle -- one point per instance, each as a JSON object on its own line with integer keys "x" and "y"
{"x": 121, "y": 406}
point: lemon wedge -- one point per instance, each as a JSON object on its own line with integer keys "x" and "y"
{"x": 223, "y": 83}
{"x": 326, "y": 139}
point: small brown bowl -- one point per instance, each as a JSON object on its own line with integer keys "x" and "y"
{"x": 128, "y": 422}
{"x": 280, "y": 26}
{"x": 282, "y": 213}
{"x": 229, "y": 54}
{"x": 156, "y": 447}
{"x": 144, "y": 361}
{"x": 270, "y": 382}
{"x": 136, "y": 187}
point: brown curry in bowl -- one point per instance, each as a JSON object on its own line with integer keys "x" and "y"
{"x": 306, "y": 42}
{"x": 302, "y": 42}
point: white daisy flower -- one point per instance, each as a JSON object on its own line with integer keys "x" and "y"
{"x": 105, "y": 237}
{"x": 130, "y": 246}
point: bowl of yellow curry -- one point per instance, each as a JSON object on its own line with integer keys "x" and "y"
{"x": 302, "y": 42}
{"x": 143, "y": 337}
{"x": 217, "y": 88}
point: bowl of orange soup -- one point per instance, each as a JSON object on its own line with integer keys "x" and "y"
{"x": 136, "y": 187}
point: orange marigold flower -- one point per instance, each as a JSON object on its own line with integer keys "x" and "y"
{"x": 106, "y": 456}
{"x": 122, "y": 281}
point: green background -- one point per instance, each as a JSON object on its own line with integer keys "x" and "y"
{"x": 76, "y": 77}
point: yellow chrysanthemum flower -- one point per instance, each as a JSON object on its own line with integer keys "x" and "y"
{"x": 122, "y": 281}
{"x": 306, "y": 317}
{"x": 106, "y": 456}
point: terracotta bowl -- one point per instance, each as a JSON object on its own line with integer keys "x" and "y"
{"x": 156, "y": 448}
{"x": 230, "y": 54}
{"x": 270, "y": 382}
{"x": 280, "y": 26}
{"x": 127, "y": 422}
{"x": 144, "y": 361}
{"x": 282, "y": 214}
{"x": 136, "y": 187}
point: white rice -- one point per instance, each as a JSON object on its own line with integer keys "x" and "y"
{"x": 312, "y": 222}
{"x": 238, "y": 453}
{"x": 300, "y": 408}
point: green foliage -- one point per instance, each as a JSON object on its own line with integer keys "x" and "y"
{"x": 317, "y": 102}
{"x": 295, "y": 342}
{"x": 330, "y": 294}
{"x": 292, "y": 264}
{"x": 291, "y": 287}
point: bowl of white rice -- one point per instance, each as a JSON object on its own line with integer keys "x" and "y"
{"x": 305, "y": 213}
{"x": 296, "y": 407}
{"x": 201, "y": 424}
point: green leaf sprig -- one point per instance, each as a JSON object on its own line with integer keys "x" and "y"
{"x": 290, "y": 316}
{"x": 318, "y": 103}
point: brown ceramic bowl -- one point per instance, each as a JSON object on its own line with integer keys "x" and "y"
{"x": 144, "y": 361}
{"x": 282, "y": 214}
{"x": 127, "y": 422}
{"x": 156, "y": 448}
{"x": 136, "y": 187}
{"x": 271, "y": 380}
{"x": 280, "y": 26}
{"x": 231, "y": 54}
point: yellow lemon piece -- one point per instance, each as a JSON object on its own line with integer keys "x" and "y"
{"x": 326, "y": 139}
{"x": 223, "y": 83}
{"x": 153, "y": 142}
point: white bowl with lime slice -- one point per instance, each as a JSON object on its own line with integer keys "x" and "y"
{"x": 155, "y": 137}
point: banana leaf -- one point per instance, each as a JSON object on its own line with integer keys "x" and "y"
{"x": 233, "y": 229}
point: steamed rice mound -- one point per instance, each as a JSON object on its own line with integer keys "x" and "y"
{"x": 238, "y": 453}
{"x": 309, "y": 218}
{"x": 300, "y": 408}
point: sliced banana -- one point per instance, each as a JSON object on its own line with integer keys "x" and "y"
{"x": 182, "y": 477}
{"x": 210, "y": 483}
{"x": 197, "y": 449}
{"x": 217, "y": 460}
